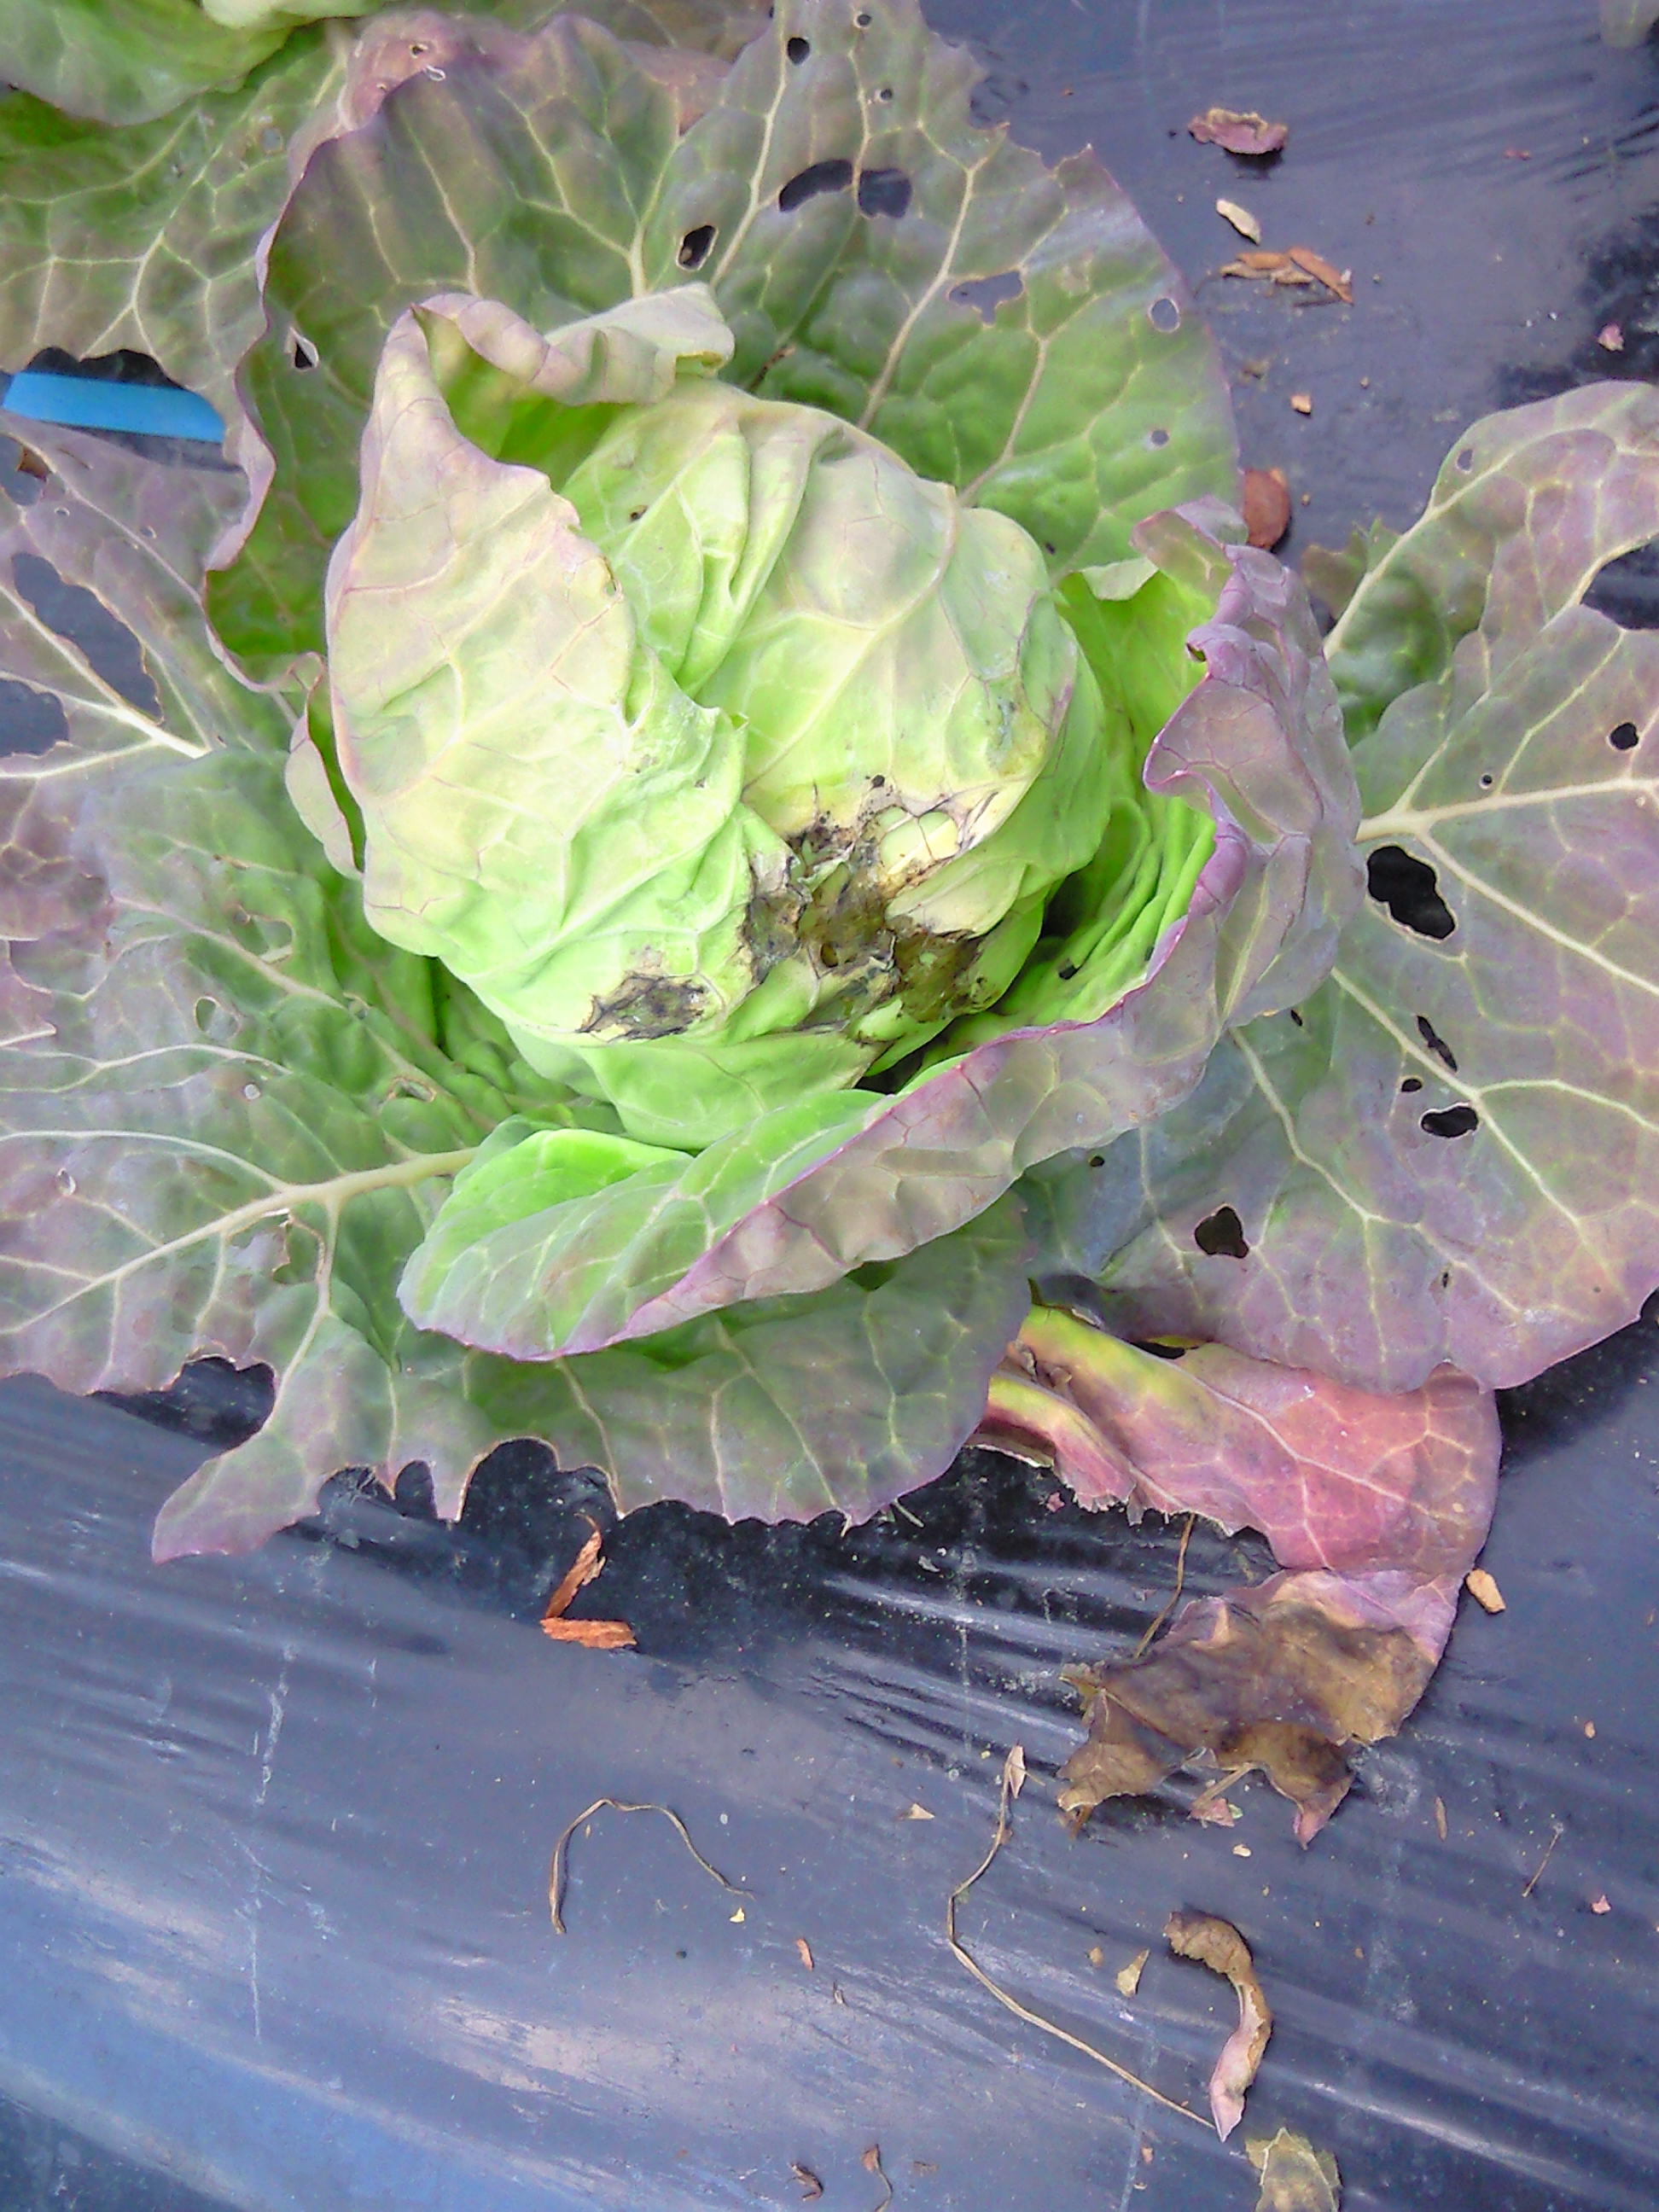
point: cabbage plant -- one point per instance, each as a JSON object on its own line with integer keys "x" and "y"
{"x": 703, "y": 843}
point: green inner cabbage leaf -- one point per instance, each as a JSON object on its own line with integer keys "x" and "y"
{"x": 722, "y": 755}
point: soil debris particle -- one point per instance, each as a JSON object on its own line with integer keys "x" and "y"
{"x": 1217, "y": 1944}
{"x": 1239, "y": 132}
{"x": 1611, "y": 337}
{"x": 806, "y": 2181}
{"x": 1294, "y": 2177}
{"x": 1598, "y": 1902}
{"x": 1484, "y": 1589}
{"x": 805, "y": 1950}
{"x": 1242, "y": 219}
{"x": 1128, "y": 1977}
{"x": 1303, "y": 402}
{"x": 1339, "y": 281}
{"x": 1267, "y": 506}
{"x": 916, "y": 1813}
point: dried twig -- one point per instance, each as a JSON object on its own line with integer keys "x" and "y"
{"x": 1549, "y": 1853}
{"x": 556, "y": 1872}
{"x": 1175, "y": 1595}
{"x": 1013, "y": 1777}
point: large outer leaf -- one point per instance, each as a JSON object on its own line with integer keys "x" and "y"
{"x": 1382, "y": 1240}
{"x": 552, "y": 175}
{"x": 780, "y": 1208}
{"x": 225, "y": 1118}
{"x": 105, "y": 531}
{"x": 1377, "y": 1505}
{"x": 147, "y": 237}
{"x": 125, "y": 61}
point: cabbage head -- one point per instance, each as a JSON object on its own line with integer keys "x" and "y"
{"x": 726, "y": 758}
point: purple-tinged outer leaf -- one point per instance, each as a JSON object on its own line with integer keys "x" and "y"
{"x": 1451, "y": 1153}
{"x": 107, "y": 654}
{"x": 779, "y": 1208}
{"x": 226, "y": 1119}
{"x": 148, "y": 237}
{"x": 557, "y": 174}
{"x": 1377, "y": 1505}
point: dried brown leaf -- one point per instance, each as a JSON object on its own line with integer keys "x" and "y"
{"x": 810, "y": 2187}
{"x": 591, "y": 1635}
{"x": 1440, "y": 1818}
{"x": 1267, "y": 506}
{"x": 1598, "y": 1902}
{"x": 1303, "y": 402}
{"x": 1128, "y": 1977}
{"x": 1246, "y": 132}
{"x": 1294, "y": 2177}
{"x": 916, "y": 1813}
{"x": 1217, "y": 1944}
{"x": 1013, "y": 1769}
{"x": 1338, "y": 280}
{"x": 1484, "y": 1589}
{"x": 871, "y": 2161}
{"x": 582, "y": 1570}
{"x": 1240, "y": 219}
{"x": 805, "y": 1950}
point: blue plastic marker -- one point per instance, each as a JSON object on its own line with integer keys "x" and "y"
{"x": 84, "y": 402}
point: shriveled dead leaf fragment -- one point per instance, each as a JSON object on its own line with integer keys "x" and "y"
{"x": 1598, "y": 1902}
{"x": 808, "y": 2183}
{"x": 870, "y": 2159}
{"x": 1484, "y": 1589}
{"x": 1303, "y": 402}
{"x": 1128, "y": 1977}
{"x": 1217, "y": 1944}
{"x": 805, "y": 1950}
{"x": 1267, "y": 506}
{"x": 1239, "y": 132}
{"x": 594, "y": 1635}
{"x": 1294, "y": 2177}
{"x": 1378, "y": 1503}
{"x": 916, "y": 1813}
{"x": 1440, "y": 1818}
{"x": 1611, "y": 337}
{"x": 1338, "y": 280}
{"x": 1240, "y": 219}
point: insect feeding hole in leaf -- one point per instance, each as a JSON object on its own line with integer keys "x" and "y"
{"x": 1409, "y": 890}
{"x": 985, "y": 295}
{"x": 1624, "y": 738}
{"x": 1164, "y": 315}
{"x": 81, "y": 619}
{"x": 1451, "y": 1121}
{"x": 695, "y": 245}
{"x": 1435, "y": 1042}
{"x": 883, "y": 192}
{"x": 798, "y": 50}
{"x": 1221, "y": 1236}
{"x": 806, "y": 184}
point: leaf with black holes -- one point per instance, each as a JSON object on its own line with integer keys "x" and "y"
{"x": 1454, "y": 1156}
{"x": 1010, "y": 329}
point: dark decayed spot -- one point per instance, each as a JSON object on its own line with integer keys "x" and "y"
{"x": 31, "y": 721}
{"x": 1624, "y": 738}
{"x": 985, "y": 295}
{"x": 694, "y": 247}
{"x": 649, "y": 1006}
{"x": 1221, "y": 1234}
{"x": 81, "y": 619}
{"x": 1451, "y": 1121}
{"x": 1409, "y": 890}
{"x": 883, "y": 192}
{"x": 798, "y": 49}
{"x": 807, "y": 183}
{"x": 1436, "y": 1044}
